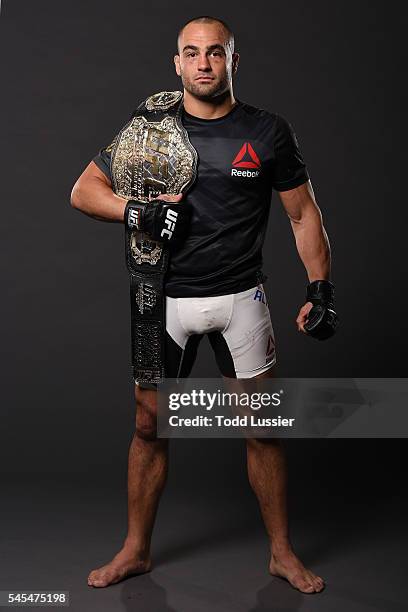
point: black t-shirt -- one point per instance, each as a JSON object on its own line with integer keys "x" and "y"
{"x": 241, "y": 157}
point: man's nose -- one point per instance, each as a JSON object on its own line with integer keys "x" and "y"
{"x": 203, "y": 62}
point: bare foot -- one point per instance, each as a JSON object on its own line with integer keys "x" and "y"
{"x": 287, "y": 565}
{"x": 125, "y": 563}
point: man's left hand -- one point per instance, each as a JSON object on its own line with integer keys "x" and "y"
{"x": 317, "y": 318}
{"x": 303, "y": 315}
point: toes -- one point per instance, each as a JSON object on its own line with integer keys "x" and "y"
{"x": 100, "y": 582}
{"x": 308, "y": 583}
{"x": 320, "y": 583}
{"x": 303, "y": 583}
{"x": 314, "y": 585}
{"x": 96, "y": 580}
{"x": 304, "y": 580}
{"x": 316, "y": 581}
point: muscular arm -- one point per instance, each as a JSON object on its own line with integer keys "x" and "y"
{"x": 92, "y": 194}
{"x": 311, "y": 239}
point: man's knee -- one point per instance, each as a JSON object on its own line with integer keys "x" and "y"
{"x": 146, "y": 414}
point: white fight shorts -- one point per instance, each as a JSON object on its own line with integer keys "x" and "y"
{"x": 238, "y": 327}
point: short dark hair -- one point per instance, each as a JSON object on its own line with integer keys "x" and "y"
{"x": 209, "y": 19}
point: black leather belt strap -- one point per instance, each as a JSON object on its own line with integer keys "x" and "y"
{"x": 147, "y": 311}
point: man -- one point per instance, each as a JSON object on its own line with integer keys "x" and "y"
{"x": 214, "y": 281}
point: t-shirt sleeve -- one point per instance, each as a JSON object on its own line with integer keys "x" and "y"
{"x": 289, "y": 169}
{"x": 103, "y": 158}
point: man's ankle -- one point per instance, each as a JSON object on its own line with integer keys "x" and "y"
{"x": 280, "y": 546}
{"x": 133, "y": 544}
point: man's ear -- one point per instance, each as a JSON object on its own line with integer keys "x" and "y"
{"x": 177, "y": 64}
{"x": 235, "y": 62}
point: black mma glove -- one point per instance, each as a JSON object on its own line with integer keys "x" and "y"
{"x": 166, "y": 222}
{"x": 322, "y": 318}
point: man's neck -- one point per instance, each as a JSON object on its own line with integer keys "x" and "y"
{"x": 209, "y": 109}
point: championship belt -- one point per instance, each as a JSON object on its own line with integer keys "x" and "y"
{"x": 151, "y": 155}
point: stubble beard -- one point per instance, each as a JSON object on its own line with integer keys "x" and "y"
{"x": 206, "y": 91}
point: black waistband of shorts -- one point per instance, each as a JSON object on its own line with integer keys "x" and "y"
{"x": 227, "y": 288}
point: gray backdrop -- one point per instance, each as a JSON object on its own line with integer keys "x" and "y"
{"x": 71, "y": 74}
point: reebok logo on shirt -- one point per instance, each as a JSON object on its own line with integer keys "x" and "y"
{"x": 246, "y": 158}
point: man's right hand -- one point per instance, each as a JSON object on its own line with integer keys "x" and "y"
{"x": 164, "y": 218}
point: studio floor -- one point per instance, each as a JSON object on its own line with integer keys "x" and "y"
{"x": 209, "y": 550}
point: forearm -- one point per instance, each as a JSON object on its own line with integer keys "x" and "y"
{"x": 313, "y": 245}
{"x": 95, "y": 198}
